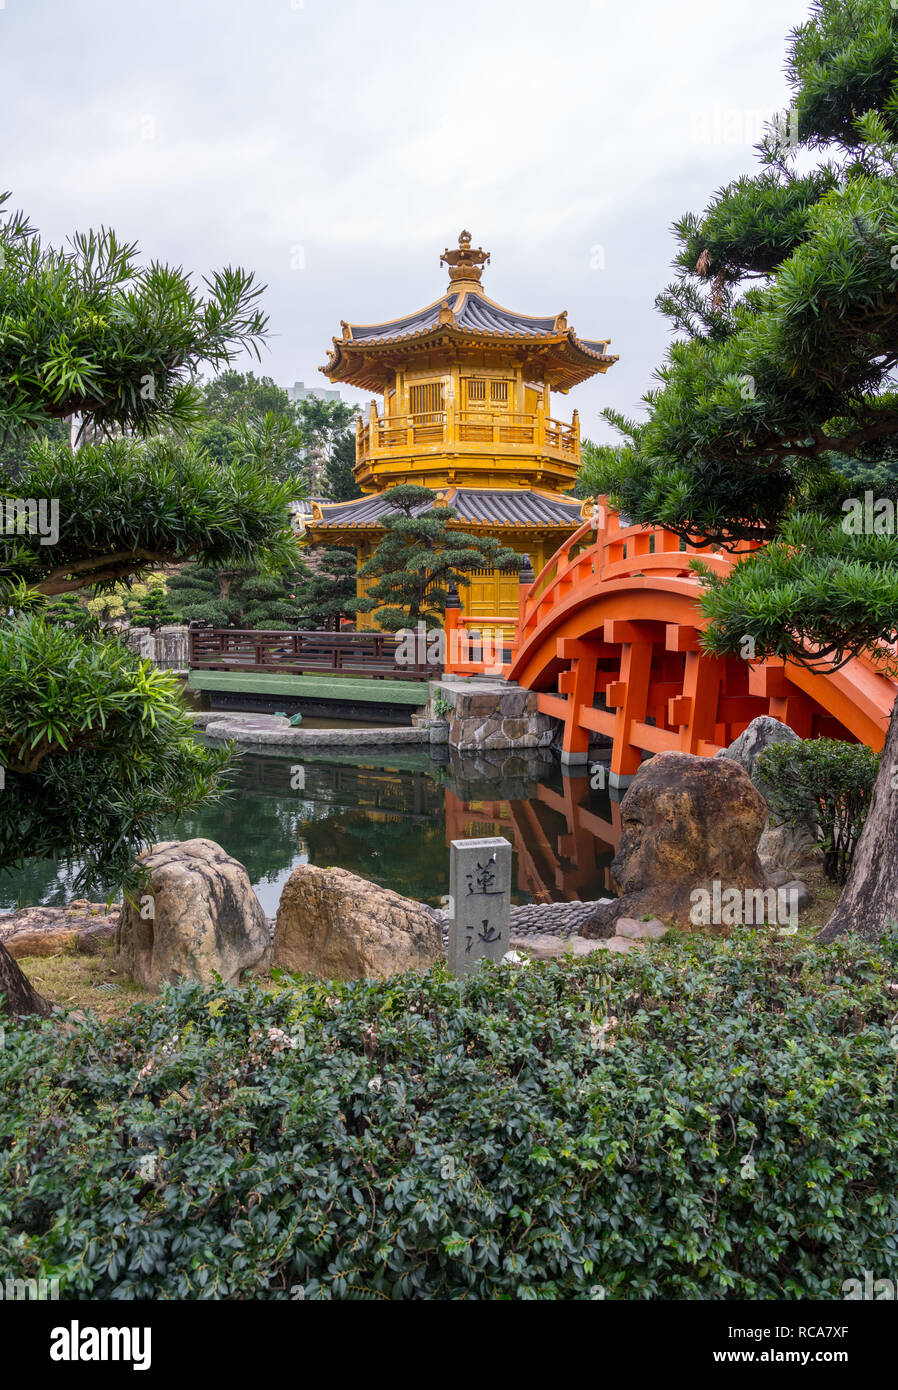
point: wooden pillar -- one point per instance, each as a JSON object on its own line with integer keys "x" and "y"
{"x": 628, "y": 695}
{"x": 695, "y": 711}
{"x": 579, "y": 685}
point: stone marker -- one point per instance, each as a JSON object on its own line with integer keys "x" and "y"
{"x": 480, "y": 901}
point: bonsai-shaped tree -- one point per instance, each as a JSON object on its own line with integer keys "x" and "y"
{"x": 420, "y": 556}
{"x": 779, "y": 396}
{"x": 328, "y": 592}
{"x": 238, "y": 598}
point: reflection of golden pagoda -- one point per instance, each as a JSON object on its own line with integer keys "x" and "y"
{"x": 467, "y": 411}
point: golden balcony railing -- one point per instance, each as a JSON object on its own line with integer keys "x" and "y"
{"x": 467, "y": 431}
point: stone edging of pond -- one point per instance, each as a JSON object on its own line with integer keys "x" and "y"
{"x": 540, "y": 919}
{"x": 274, "y": 730}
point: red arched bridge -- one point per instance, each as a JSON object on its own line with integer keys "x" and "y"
{"x": 608, "y": 634}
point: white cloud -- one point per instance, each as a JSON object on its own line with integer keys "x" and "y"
{"x": 368, "y": 132}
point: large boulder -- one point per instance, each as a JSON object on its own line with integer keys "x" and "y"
{"x": 48, "y": 931}
{"x": 689, "y": 824}
{"x": 338, "y": 926}
{"x": 197, "y": 917}
{"x": 793, "y": 847}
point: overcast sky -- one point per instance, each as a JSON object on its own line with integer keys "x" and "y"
{"x": 336, "y": 147}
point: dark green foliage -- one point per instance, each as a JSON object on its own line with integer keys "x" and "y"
{"x": 420, "y": 556}
{"x": 340, "y": 483}
{"x": 127, "y": 505}
{"x": 328, "y": 432}
{"x": 95, "y": 745}
{"x": 15, "y": 446}
{"x": 425, "y": 1138}
{"x": 232, "y": 396}
{"x": 328, "y": 592}
{"x": 778, "y": 401}
{"x": 246, "y": 414}
{"x": 827, "y": 783}
{"x": 71, "y": 610}
{"x": 86, "y": 329}
{"x": 302, "y": 598}
{"x": 97, "y": 749}
{"x": 815, "y": 595}
{"x": 237, "y": 598}
{"x": 153, "y": 611}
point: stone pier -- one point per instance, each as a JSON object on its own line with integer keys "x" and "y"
{"x": 490, "y": 713}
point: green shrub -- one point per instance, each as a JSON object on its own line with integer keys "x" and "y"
{"x": 826, "y": 783}
{"x": 711, "y": 1120}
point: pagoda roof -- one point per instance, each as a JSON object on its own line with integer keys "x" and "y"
{"x": 465, "y": 315}
{"x": 524, "y": 507}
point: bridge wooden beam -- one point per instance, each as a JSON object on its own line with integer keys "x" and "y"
{"x": 572, "y": 648}
{"x": 619, "y": 630}
{"x": 629, "y": 696}
{"x": 696, "y": 708}
{"x": 678, "y": 638}
{"x": 770, "y": 680}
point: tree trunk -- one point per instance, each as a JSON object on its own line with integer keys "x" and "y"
{"x": 869, "y": 901}
{"x": 16, "y": 995}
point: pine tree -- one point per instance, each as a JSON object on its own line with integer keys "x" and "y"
{"x": 419, "y": 557}
{"x": 780, "y": 393}
{"x": 328, "y": 593}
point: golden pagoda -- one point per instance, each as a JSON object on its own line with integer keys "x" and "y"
{"x": 466, "y": 387}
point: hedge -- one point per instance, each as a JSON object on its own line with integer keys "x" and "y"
{"x": 713, "y": 1119}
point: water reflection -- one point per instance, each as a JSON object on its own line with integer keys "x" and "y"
{"x": 390, "y": 818}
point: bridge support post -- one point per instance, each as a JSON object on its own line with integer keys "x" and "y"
{"x": 629, "y": 696}
{"x": 579, "y": 685}
{"x": 702, "y": 680}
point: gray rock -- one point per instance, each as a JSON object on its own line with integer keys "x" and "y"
{"x": 540, "y": 947}
{"x": 793, "y": 848}
{"x": 746, "y": 750}
{"x": 636, "y": 930}
{"x": 799, "y": 893}
{"x": 196, "y": 918}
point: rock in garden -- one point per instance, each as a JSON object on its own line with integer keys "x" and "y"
{"x": 338, "y": 926}
{"x": 197, "y": 917}
{"x": 580, "y": 946}
{"x": 688, "y": 823}
{"x": 541, "y": 946}
{"x": 792, "y": 847}
{"x": 746, "y": 750}
{"x": 48, "y": 931}
{"x": 652, "y": 930}
{"x": 797, "y": 894}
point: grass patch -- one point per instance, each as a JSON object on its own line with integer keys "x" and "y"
{"x": 73, "y": 979}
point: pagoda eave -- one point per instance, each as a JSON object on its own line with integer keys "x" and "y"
{"x": 566, "y": 360}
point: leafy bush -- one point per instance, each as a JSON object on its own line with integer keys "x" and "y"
{"x": 828, "y": 784}
{"x": 714, "y": 1119}
{"x": 97, "y": 750}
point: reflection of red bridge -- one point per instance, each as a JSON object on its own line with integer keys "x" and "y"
{"x": 563, "y": 848}
{"x": 608, "y": 634}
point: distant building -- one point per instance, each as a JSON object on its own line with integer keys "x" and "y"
{"x": 300, "y": 392}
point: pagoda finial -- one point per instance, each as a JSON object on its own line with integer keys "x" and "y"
{"x": 465, "y": 265}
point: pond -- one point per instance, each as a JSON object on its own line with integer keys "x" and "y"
{"x": 389, "y": 816}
